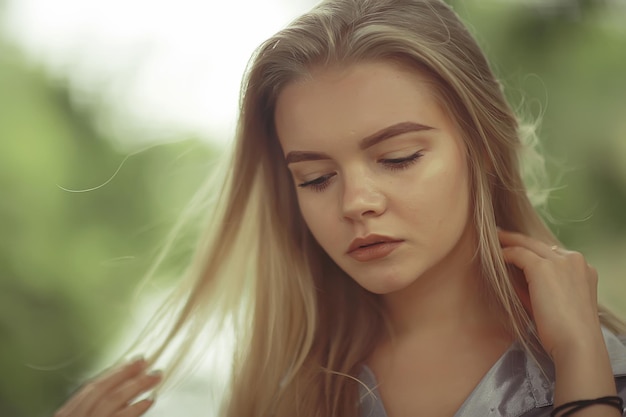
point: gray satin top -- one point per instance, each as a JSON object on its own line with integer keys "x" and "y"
{"x": 513, "y": 387}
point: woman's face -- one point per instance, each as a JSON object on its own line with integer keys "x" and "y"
{"x": 380, "y": 172}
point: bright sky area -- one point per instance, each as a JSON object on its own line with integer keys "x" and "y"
{"x": 159, "y": 68}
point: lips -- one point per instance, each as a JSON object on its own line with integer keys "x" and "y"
{"x": 372, "y": 247}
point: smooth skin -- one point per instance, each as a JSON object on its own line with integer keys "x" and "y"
{"x": 429, "y": 283}
{"x": 411, "y": 187}
{"x": 562, "y": 288}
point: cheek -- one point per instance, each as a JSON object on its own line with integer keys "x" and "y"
{"x": 444, "y": 184}
{"x": 444, "y": 194}
{"x": 316, "y": 216}
{"x": 458, "y": 199}
{"x": 322, "y": 219}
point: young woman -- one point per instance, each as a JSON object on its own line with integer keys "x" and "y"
{"x": 375, "y": 247}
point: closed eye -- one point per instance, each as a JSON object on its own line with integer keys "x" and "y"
{"x": 319, "y": 183}
{"x": 401, "y": 163}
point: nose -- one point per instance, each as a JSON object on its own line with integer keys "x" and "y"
{"x": 362, "y": 198}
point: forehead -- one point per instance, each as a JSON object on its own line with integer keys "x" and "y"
{"x": 353, "y": 101}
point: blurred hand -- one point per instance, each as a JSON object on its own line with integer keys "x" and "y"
{"x": 111, "y": 394}
{"x": 561, "y": 293}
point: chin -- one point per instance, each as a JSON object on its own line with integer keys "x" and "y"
{"x": 385, "y": 285}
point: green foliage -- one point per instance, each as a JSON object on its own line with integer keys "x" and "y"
{"x": 69, "y": 261}
{"x": 563, "y": 64}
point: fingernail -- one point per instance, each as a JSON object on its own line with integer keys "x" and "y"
{"x": 151, "y": 397}
{"x": 156, "y": 373}
{"x": 136, "y": 359}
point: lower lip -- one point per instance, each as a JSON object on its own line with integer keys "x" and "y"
{"x": 373, "y": 252}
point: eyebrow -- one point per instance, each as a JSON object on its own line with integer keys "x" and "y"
{"x": 367, "y": 142}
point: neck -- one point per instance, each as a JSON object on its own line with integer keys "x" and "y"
{"x": 448, "y": 300}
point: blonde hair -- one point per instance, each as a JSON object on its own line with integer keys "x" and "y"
{"x": 304, "y": 328}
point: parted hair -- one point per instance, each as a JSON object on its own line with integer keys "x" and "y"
{"x": 303, "y": 327}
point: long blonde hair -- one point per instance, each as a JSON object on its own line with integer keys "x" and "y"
{"x": 304, "y": 328}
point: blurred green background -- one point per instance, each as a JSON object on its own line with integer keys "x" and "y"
{"x": 70, "y": 261}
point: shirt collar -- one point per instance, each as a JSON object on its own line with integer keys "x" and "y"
{"x": 515, "y": 384}
{"x": 616, "y": 345}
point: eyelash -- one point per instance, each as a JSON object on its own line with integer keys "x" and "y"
{"x": 394, "y": 164}
{"x": 397, "y": 164}
{"x": 318, "y": 184}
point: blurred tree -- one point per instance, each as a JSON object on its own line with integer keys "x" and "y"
{"x": 562, "y": 62}
{"x": 69, "y": 260}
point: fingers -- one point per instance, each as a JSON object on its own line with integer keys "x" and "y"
{"x": 528, "y": 253}
{"x": 512, "y": 239}
{"x": 84, "y": 400}
{"x": 521, "y": 257}
{"x": 120, "y": 396}
{"x": 136, "y": 409}
{"x": 561, "y": 289}
{"x": 524, "y": 251}
{"x": 112, "y": 393}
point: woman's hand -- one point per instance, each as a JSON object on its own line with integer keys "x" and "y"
{"x": 561, "y": 296}
{"x": 111, "y": 394}
{"x": 561, "y": 293}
